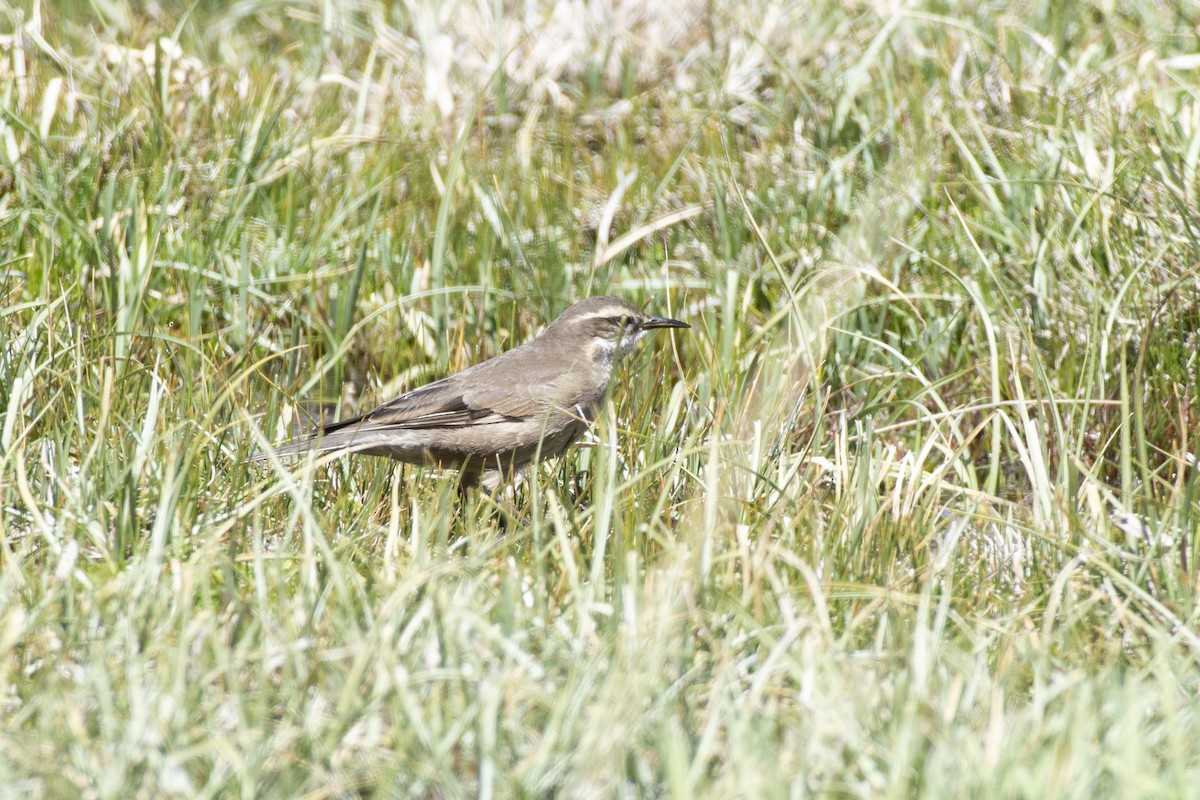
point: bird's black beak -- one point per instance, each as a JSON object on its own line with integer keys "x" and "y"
{"x": 663, "y": 322}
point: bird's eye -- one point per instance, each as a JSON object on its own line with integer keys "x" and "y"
{"x": 620, "y": 322}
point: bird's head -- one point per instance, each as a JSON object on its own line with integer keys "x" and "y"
{"x": 606, "y": 328}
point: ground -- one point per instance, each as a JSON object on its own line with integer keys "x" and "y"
{"x": 910, "y": 511}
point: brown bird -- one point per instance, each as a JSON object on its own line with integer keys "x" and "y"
{"x": 495, "y": 418}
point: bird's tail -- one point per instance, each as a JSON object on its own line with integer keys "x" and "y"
{"x": 331, "y": 437}
{"x": 283, "y": 451}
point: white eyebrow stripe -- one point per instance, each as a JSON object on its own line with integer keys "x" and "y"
{"x": 606, "y": 313}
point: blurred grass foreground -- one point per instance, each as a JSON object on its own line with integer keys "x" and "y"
{"x": 912, "y": 510}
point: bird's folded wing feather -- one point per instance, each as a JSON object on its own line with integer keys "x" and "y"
{"x": 493, "y": 385}
{"x": 482, "y": 395}
{"x": 446, "y": 404}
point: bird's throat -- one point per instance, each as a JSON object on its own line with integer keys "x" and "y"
{"x": 606, "y": 351}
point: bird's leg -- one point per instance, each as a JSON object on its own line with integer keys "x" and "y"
{"x": 491, "y": 479}
{"x": 503, "y": 495}
{"x": 500, "y": 483}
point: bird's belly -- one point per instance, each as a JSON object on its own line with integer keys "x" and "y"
{"x": 513, "y": 444}
{"x": 522, "y": 442}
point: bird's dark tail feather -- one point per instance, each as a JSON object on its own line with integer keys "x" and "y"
{"x": 283, "y": 451}
{"x": 352, "y": 440}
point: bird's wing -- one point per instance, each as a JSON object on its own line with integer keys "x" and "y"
{"x": 466, "y": 399}
{"x": 494, "y": 385}
{"x": 481, "y": 395}
{"x": 441, "y": 404}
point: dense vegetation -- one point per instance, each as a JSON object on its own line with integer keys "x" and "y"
{"x": 912, "y": 510}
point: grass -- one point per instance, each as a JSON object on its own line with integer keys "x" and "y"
{"x": 912, "y": 510}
